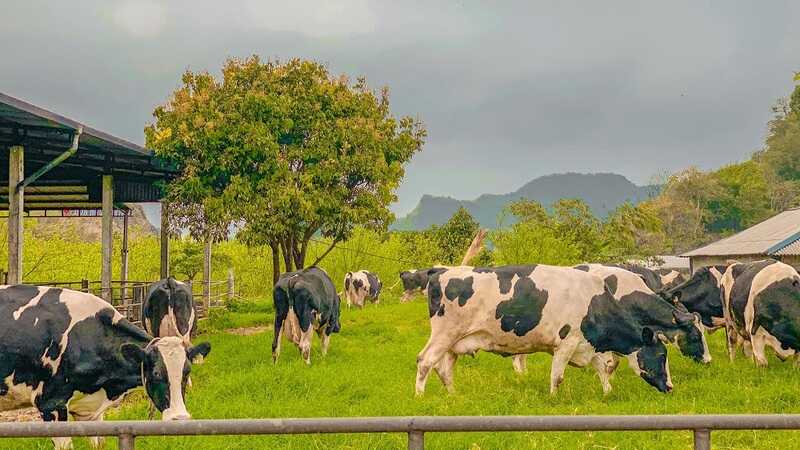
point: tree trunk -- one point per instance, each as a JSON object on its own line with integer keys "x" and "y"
{"x": 276, "y": 261}
{"x": 320, "y": 257}
{"x": 287, "y": 254}
{"x": 474, "y": 247}
{"x": 299, "y": 255}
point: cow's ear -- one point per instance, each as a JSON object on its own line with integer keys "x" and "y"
{"x": 203, "y": 348}
{"x": 132, "y": 353}
{"x": 648, "y": 336}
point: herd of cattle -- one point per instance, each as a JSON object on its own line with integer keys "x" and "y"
{"x": 69, "y": 353}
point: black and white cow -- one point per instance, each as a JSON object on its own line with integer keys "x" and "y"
{"x": 305, "y": 301}
{"x": 71, "y": 353}
{"x": 656, "y": 280}
{"x": 536, "y": 308}
{"x": 761, "y": 303}
{"x": 671, "y": 324}
{"x": 414, "y": 281}
{"x": 361, "y": 285}
{"x": 700, "y": 294}
{"x": 669, "y": 278}
{"x": 169, "y": 310}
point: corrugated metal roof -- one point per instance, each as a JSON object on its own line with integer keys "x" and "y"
{"x": 792, "y": 249}
{"x": 766, "y": 238}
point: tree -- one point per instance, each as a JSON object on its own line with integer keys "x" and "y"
{"x": 188, "y": 259}
{"x": 287, "y": 150}
{"x": 454, "y": 237}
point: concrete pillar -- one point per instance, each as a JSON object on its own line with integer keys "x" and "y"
{"x": 207, "y": 273}
{"x": 16, "y": 173}
{"x": 164, "y": 239}
{"x": 106, "y": 236}
{"x": 124, "y": 266}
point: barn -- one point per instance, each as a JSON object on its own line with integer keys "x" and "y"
{"x": 777, "y": 237}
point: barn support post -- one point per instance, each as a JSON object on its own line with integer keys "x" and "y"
{"x": 16, "y": 202}
{"x": 207, "y": 274}
{"x": 107, "y": 236}
{"x": 164, "y": 239}
{"x": 124, "y": 263}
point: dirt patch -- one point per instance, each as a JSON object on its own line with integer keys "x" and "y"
{"x": 248, "y": 331}
{"x": 21, "y": 415}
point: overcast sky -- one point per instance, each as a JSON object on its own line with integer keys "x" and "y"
{"x": 508, "y": 90}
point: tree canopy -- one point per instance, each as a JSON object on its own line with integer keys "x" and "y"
{"x": 287, "y": 150}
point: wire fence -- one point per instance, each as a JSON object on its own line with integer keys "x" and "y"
{"x": 700, "y": 426}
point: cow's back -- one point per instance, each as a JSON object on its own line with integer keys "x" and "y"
{"x": 738, "y": 283}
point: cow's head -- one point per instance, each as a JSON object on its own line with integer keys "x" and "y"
{"x": 650, "y": 361}
{"x": 700, "y": 294}
{"x": 165, "y": 366}
{"x": 692, "y": 340}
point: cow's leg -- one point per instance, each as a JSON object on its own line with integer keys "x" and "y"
{"x": 561, "y": 357}
{"x": 325, "y": 340}
{"x": 605, "y": 367}
{"x": 57, "y": 413}
{"x": 520, "y": 363}
{"x": 732, "y": 341}
{"x": 305, "y": 344}
{"x": 276, "y": 339}
{"x": 434, "y": 350}
{"x": 444, "y": 368}
{"x": 759, "y": 343}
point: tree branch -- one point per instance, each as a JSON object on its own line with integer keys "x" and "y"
{"x": 323, "y": 255}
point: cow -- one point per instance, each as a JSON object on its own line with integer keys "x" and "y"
{"x": 305, "y": 301}
{"x": 70, "y": 353}
{"x": 761, "y": 304}
{"x": 672, "y": 324}
{"x": 669, "y": 278}
{"x": 414, "y": 281}
{"x": 361, "y": 285}
{"x": 700, "y": 294}
{"x": 169, "y": 310}
{"x": 535, "y": 308}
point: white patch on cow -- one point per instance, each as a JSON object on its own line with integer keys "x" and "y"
{"x": 627, "y": 281}
{"x": 670, "y": 277}
{"x": 36, "y": 321}
{"x": 173, "y": 353}
{"x": 716, "y": 273}
{"x": 31, "y": 303}
{"x": 18, "y": 395}
{"x": 83, "y": 406}
{"x": 80, "y": 306}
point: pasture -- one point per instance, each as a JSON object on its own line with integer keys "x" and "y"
{"x": 370, "y": 371}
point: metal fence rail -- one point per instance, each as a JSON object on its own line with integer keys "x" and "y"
{"x": 414, "y": 427}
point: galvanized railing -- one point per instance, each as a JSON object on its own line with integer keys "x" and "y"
{"x": 414, "y": 427}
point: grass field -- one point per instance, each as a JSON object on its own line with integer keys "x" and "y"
{"x": 370, "y": 371}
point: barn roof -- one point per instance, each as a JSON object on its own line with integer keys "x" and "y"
{"x": 776, "y": 236}
{"x": 75, "y": 182}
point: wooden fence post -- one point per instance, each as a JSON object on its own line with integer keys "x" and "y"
{"x": 231, "y": 291}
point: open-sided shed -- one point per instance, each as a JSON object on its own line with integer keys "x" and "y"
{"x": 56, "y": 166}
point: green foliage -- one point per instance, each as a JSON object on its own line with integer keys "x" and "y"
{"x": 454, "y": 237}
{"x": 187, "y": 259}
{"x": 286, "y": 148}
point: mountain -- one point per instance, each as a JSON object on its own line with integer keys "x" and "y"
{"x": 601, "y": 191}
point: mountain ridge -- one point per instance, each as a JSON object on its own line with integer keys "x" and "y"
{"x": 603, "y": 192}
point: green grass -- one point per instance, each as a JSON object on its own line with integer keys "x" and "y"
{"x": 370, "y": 371}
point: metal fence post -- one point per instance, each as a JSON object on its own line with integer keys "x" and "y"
{"x": 126, "y": 442}
{"x": 702, "y": 439}
{"x": 416, "y": 440}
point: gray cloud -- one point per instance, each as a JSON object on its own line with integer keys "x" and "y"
{"x": 509, "y": 91}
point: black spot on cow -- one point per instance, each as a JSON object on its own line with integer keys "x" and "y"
{"x": 564, "y": 331}
{"x": 611, "y": 284}
{"x": 609, "y": 327}
{"x": 777, "y": 310}
{"x": 582, "y": 267}
{"x": 435, "y": 305}
{"x": 742, "y": 283}
{"x": 459, "y": 289}
{"x": 523, "y": 311}
{"x": 505, "y": 274}
{"x": 699, "y": 294}
{"x": 374, "y": 285}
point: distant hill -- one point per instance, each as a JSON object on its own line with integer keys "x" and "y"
{"x": 601, "y": 191}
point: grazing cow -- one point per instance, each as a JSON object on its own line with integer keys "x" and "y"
{"x": 671, "y": 323}
{"x": 361, "y": 285}
{"x": 414, "y": 281}
{"x": 762, "y": 308}
{"x": 701, "y": 294}
{"x": 537, "y": 308}
{"x": 305, "y": 301}
{"x": 669, "y": 278}
{"x": 169, "y": 310}
{"x": 71, "y": 353}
